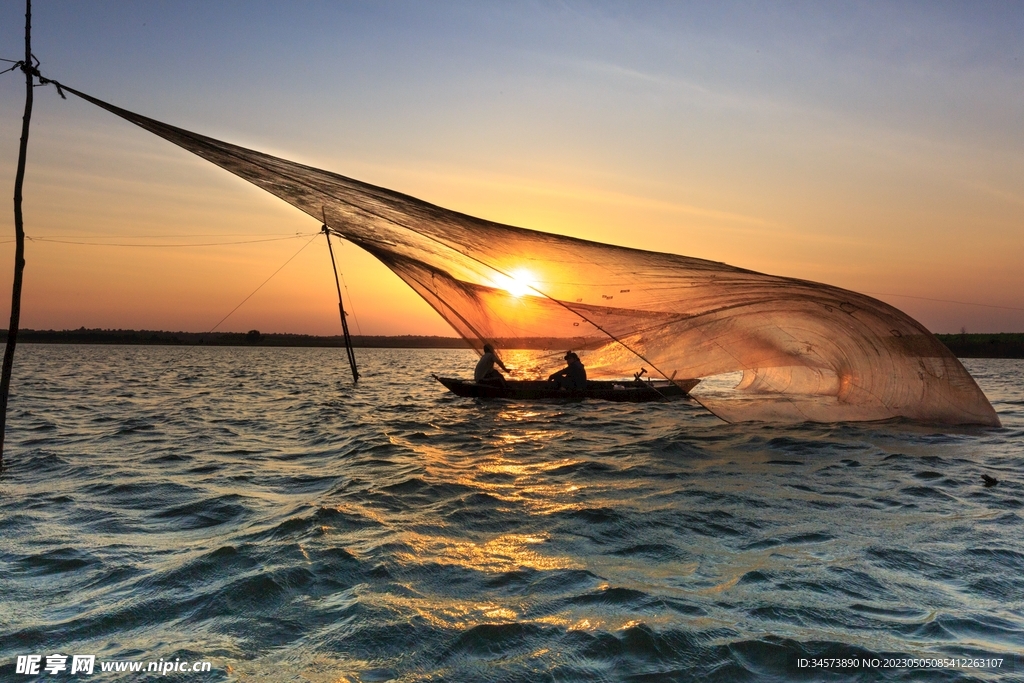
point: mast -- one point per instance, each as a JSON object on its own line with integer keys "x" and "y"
{"x": 19, "y": 230}
{"x": 341, "y": 308}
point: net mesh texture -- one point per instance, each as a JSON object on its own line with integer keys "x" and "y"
{"x": 807, "y": 351}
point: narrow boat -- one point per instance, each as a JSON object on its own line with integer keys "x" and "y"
{"x": 628, "y": 391}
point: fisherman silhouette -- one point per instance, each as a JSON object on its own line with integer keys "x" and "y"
{"x": 485, "y": 372}
{"x": 573, "y": 376}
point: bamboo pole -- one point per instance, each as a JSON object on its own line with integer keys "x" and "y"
{"x": 19, "y": 231}
{"x": 341, "y": 309}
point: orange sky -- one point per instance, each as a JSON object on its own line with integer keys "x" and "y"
{"x": 784, "y": 148}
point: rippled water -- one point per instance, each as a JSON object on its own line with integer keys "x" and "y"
{"x": 251, "y": 508}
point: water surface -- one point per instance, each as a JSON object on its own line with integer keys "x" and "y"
{"x": 250, "y": 507}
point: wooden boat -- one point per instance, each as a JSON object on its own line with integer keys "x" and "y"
{"x": 623, "y": 391}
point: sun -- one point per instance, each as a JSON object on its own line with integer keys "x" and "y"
{"x": 518, "y": 282}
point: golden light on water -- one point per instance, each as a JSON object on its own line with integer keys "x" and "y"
{"x": 506, "y": 553}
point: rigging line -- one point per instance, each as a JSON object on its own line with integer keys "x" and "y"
{"x": 352, "y": 304}
{"x": 157, "y": 246}
{"x": 944, "y": 301}
{"x": 265, "y": 282}
{"x": 180, "y": 235}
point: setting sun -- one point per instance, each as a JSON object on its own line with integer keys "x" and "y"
{"x": 518, "y": 282}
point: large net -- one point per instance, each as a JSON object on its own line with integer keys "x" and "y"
{"x": 807, "y": 351}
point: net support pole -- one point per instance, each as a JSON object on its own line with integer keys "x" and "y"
{"x": 341, "y": 310}
{"x": 19, "y": 231}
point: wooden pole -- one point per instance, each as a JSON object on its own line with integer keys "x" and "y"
{"x": 341, "y": 309}
{"x": 19, "y": 231}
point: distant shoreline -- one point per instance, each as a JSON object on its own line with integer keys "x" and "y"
{"x": 1001, "y": 345}
{"x": 253, "y": 338}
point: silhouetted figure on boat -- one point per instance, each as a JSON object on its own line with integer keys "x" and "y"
{"x": 485, "y": 372}
{"x": 573, "y": 376}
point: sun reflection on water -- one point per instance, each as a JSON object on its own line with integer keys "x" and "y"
{"x": 501, "y": 555}
{"x": 507, "y": 553}
{"x": 526, "y": 484}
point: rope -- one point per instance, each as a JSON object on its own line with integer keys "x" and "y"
{"x": 352, "y": 304}
{"x": 202, "y": 234}
{"x": 189, "y": 350}
{"x": 33, "y": 70}
{"x": 315, "y": 235}
{"x": 198, "y": 244}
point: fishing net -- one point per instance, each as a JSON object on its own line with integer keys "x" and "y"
{"x": 807, "y": 351}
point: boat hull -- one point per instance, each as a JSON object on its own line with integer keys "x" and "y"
{"x": 529, "y": 390}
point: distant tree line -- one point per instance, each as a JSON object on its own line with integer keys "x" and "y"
{"x": 1003, "y": 345}
{"x": 962, "y": 345}
{"x": 250, "y": 338}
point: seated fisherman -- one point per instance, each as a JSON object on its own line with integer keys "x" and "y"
{"x": 573, "y": 375}
{"x": 485, "y": 371}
